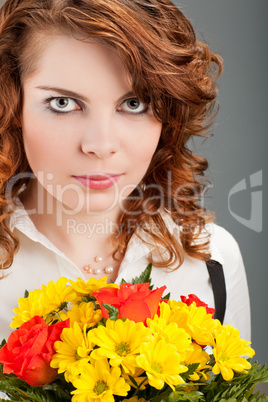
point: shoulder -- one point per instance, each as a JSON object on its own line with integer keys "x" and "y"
{"x": 222, "y": 243}
{"x": 223, "y": 246}
{"x": 225, "y": 249}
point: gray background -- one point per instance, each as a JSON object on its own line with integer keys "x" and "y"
{"x": 237, "y": 30}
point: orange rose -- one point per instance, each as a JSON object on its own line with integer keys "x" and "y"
{"x": 135, "y": 302}
{"x": 29, "y": 350}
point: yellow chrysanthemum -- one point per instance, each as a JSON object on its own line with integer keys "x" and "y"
{"x": 174, "y": 304}
{"x": 99, "y": 382}
{"x": 166, "y": 311}
{"x": 58, "y": 293}
{"x": 198, "y": 355}
{"x": 29, "y": 307}
{"x": 228, "y": 349}
{"x": 162, "y": 364}
{"x": 84, "y": 289}
{"x": 170, "y": 332}
{"x": 83, "y": 314}
{"x": 43, "y": 302}
{"x": 195, "y": 320}
{"x": 120, "y": 341}
{"x": 72, "y": 352}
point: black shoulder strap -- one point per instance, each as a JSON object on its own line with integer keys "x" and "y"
{"x": 216, "y": 274}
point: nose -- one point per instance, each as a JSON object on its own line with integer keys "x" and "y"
{"x": 100, "y": 138}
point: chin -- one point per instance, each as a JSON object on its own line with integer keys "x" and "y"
{"x": 103, "y": 205}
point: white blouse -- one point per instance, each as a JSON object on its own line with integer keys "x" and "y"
{"x": 38, "y": 261}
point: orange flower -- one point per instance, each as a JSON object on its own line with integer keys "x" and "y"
{"x": 29, "y": 350}
{"x": 135, "y": 302}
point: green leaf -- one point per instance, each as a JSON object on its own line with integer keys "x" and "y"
{"x": 112, "y": 311}
{"x": 26, "y": 294}
{"x": 133, "y": 381}
{"x": 18, "y": 390}
{"x": 167, "y": 296}
{"x": 144, "y": 277}
{"x": 239, "y": 389}
{"x": 192, "y": 396}
{"x": 191, "y": 370}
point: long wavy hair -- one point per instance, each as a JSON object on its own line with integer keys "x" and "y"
{"x": 169, "y": 67}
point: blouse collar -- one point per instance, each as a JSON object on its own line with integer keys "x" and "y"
{"x": 137, "y": 248}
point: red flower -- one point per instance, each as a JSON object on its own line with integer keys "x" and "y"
{"x": 29, "y": 350}
{"x": 199, "y": 303}
{"x": 135, "y": 302}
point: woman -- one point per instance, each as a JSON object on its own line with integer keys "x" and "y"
{"x": 98, "y": 103}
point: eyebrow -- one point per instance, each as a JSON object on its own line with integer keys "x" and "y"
{"x": 72, "y": 94}
{"x": 65, "y": 92}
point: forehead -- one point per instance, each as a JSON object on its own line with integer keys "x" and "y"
{"x": 64, "y": 59}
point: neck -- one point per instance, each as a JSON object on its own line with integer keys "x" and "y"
{"x": 81, "y": 236}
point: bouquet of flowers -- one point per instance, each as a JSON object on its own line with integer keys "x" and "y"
{"x": 89, "y": 341}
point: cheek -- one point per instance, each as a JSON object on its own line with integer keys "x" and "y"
{"x": 145, "y": 144}
{"x": 42, "y": 146}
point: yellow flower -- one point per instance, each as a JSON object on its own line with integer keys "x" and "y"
{"x": 228, "y": 349}
{"x": 162, "y": 364}
{"x": 83, "y": 314}
{"x": 43, "y": 302}
{"x": 198, "y": 355}
{"x": 120, "y": 342}
{"x": 29, "y": 307}
{"x": 195, "y": 320}
{"x": 170, "y": 332}
{"x": 57, "y": 294}
{"x": 99, "y": 382}
{"x": 72, "y": 352}
{"x": 166, "y": 311}
{"x": 84, "y": 289}
{"x": 173, "y": 304}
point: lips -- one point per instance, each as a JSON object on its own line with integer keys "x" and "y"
{"x": 99, "y": 176}
{"x": 98, "y": 181}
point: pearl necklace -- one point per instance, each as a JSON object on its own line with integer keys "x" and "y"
{"x": 90, "y": 270}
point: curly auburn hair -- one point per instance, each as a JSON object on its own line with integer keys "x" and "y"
{"x": 169, "y": 67}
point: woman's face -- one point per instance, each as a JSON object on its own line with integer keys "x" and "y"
{"x": 88, "y": 140}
